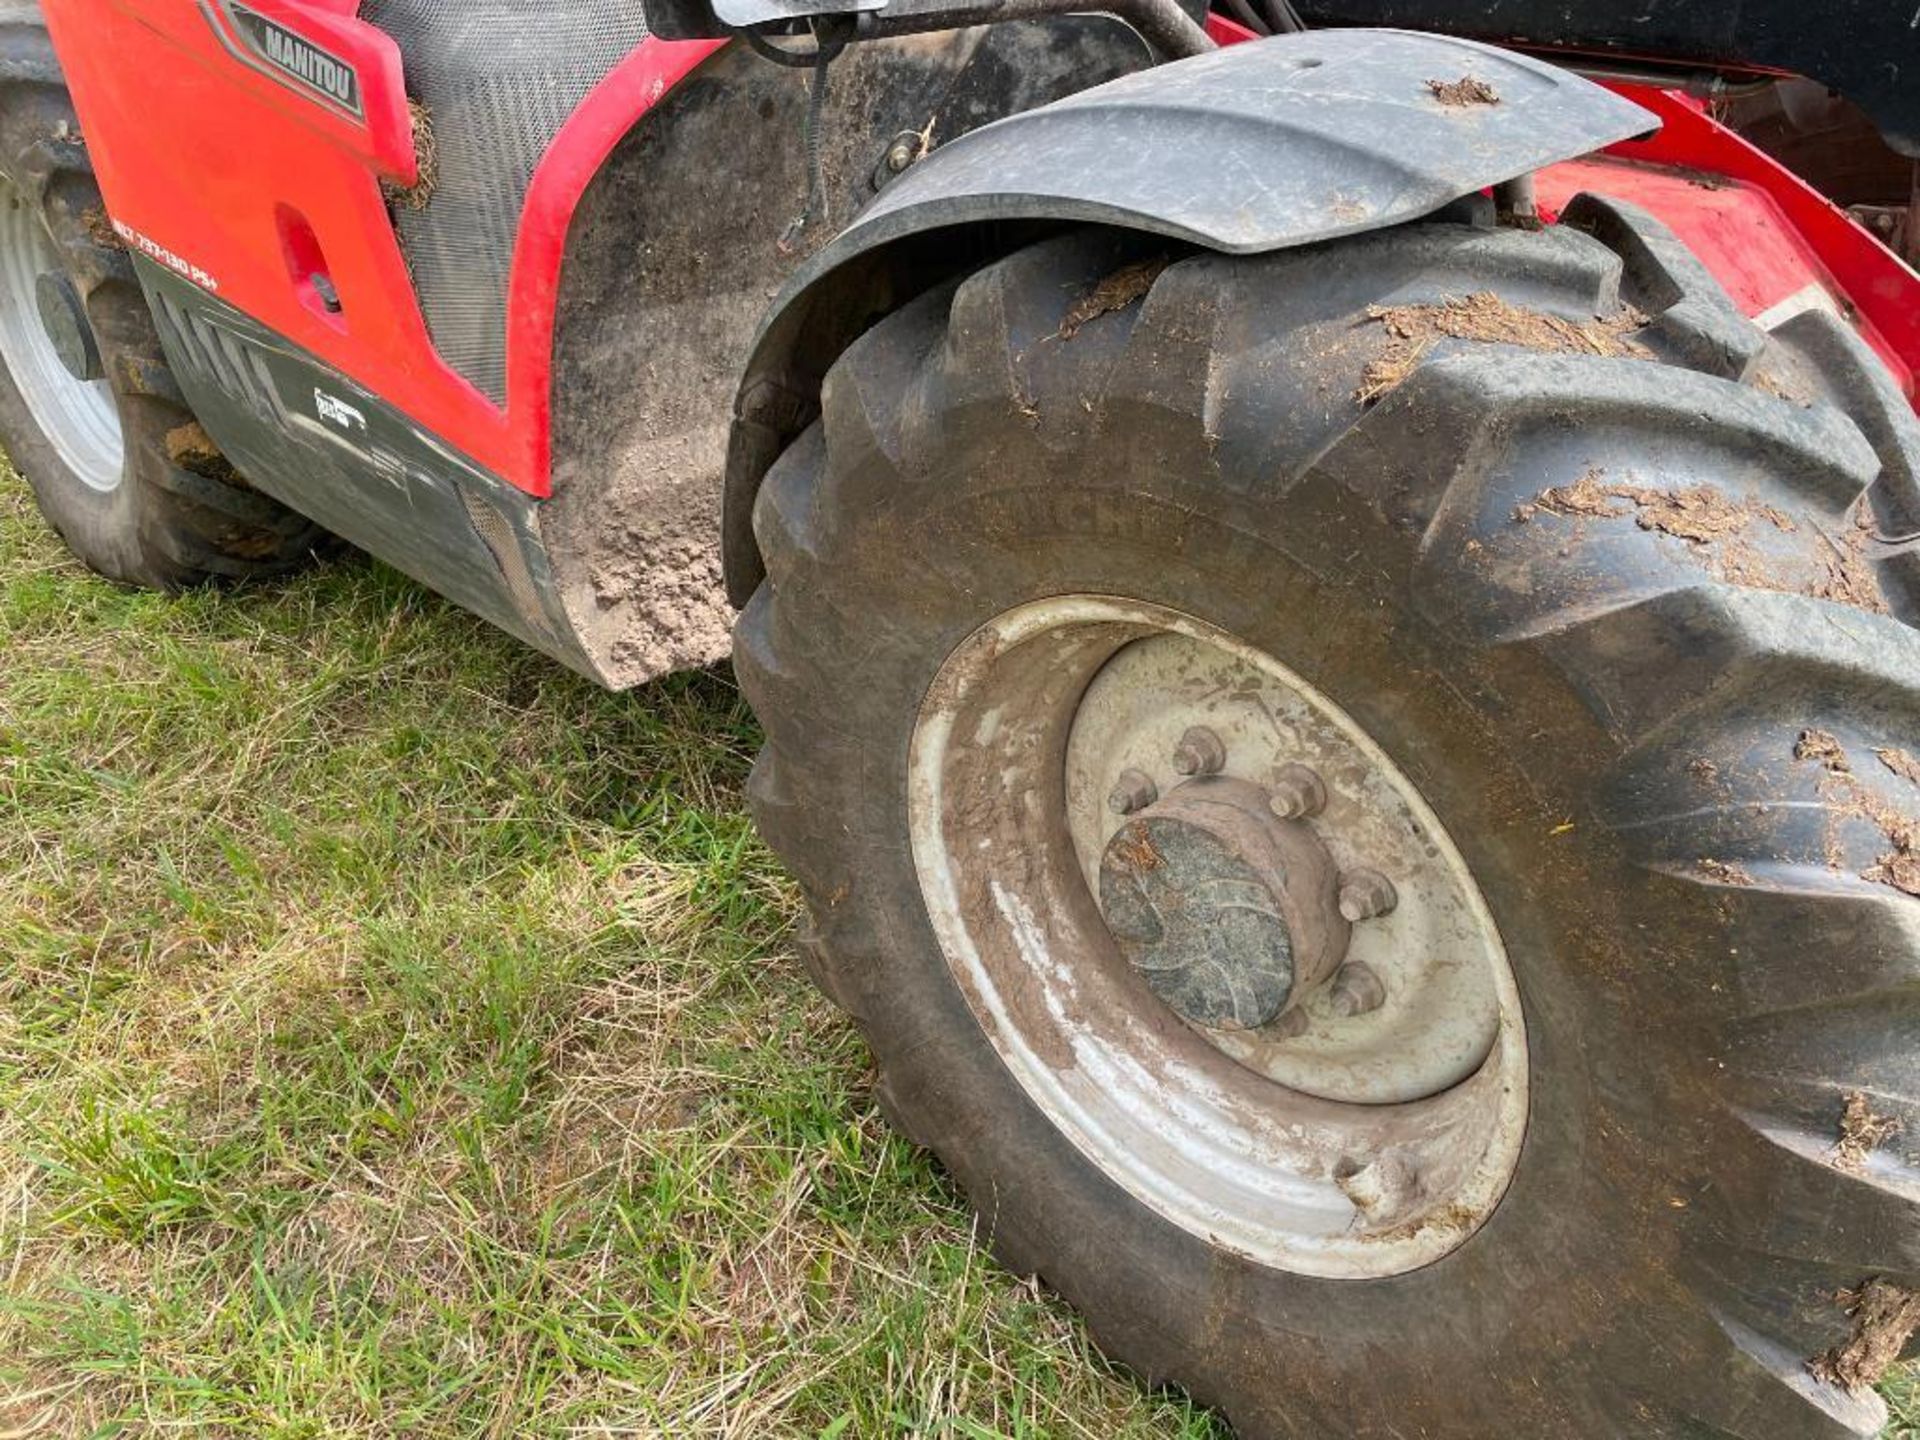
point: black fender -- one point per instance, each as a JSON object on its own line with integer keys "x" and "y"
{"x": 1252, "y": 148}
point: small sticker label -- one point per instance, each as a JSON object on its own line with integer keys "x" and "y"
{"x": 159, "y": 253}
{"x": 298, "y": 58}
{"x": 333, "y": 408}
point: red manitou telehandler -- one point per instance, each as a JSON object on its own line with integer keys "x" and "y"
{"x": 1332, "y": 593}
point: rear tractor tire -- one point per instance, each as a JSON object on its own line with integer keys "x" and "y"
{"x": 89, "y": 412}
{"x": 1364, "y": 800}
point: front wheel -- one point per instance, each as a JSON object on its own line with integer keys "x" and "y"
{"x": 1361, "y": 799}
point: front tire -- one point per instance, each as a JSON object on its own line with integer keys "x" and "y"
{"x": 1588, "y": 596}
{"x": 89, "y": 412}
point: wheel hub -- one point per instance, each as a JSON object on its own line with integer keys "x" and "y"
{"x": 1387, "y": 993}
{"x": 1217, "y": 937}
{"x": 1226, "y": 909}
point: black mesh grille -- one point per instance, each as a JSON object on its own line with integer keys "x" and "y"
{"x": 498, "y": 79}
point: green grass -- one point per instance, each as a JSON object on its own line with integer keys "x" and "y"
{"x": 400, "y": 1037}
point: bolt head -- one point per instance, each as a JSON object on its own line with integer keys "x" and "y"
{"x": 1356, "y": 990}
{"x": 1133, "y": 791}
{"x": 1298, "y": 793}
{"x": 1366, "y": 895}
{"x": 899, "y": 157}
{"x": 1200, "y": 752}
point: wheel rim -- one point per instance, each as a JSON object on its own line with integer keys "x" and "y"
{"x": 79, "y": 418}
{"x": 1080, "y": 760}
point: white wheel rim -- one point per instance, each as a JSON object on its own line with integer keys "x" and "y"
{"x": 79, "y": 418}
{"x": 1013, "y": 738}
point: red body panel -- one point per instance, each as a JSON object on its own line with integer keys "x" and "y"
{"x": 228, "y": 173}
{"x": 245, "y": 181}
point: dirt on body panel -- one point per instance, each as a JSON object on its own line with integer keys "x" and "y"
{"x": 674, "y": 256}
{"x": 1468, "y": 90}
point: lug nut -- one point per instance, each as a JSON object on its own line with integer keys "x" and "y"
{"x": 899, "y": 155}
{"x": 1134, "y": 790}
{"x": 1356, "y": 990}
{"x": 1366, "y": 895}
{"x": 1298, "y": 793}
{"x": 1200, "y": 752}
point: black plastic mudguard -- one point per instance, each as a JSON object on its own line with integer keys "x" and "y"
{"x": 316, "y": 441}
{"x": 1257, "y": 147}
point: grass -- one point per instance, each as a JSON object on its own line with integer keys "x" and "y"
{"x": 400, "y": 1037}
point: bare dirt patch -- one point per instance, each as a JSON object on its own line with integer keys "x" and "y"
{"x": 1122, "y": 288}
{"x": 1885, "y": 1316}
{"x": 1485, "y": 317}
{"x": 1861, "y": 1132}
{"x": 1467, "y": 90}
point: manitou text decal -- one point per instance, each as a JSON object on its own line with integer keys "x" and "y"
{"x": 297, "y": 58}
{"x": 160, "y": 255}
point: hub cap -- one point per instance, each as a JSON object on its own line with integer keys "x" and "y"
{"x": 1218, "y": 937}
{"x": 79, "y": 418}
{"x": 1225, "y": 909}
